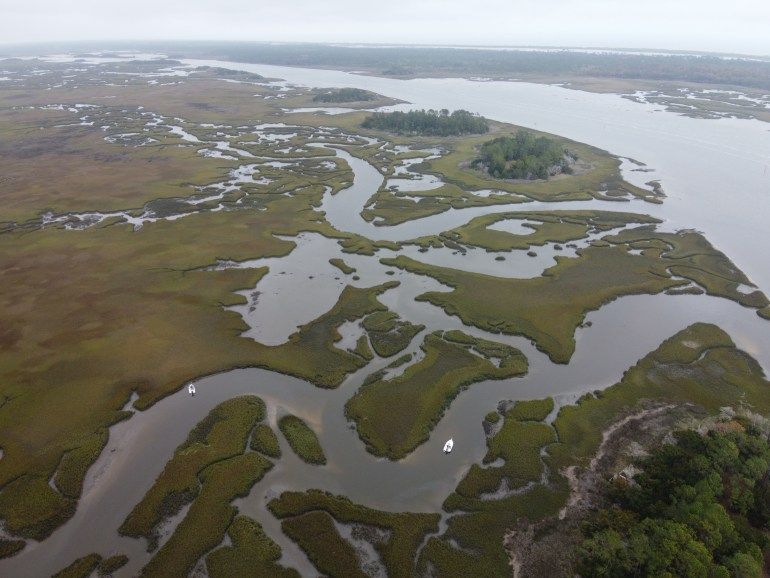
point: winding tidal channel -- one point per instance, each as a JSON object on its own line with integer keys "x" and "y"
{"x": 716, "y": 178}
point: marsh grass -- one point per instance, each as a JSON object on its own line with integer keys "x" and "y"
{"x": 302, "y": 439}
{"x": 80, "y": 568}
{"x": 221, "y": 435}
{"x": 690, "y": 255}
{"x": 531, "y": 410}
{"x": 405, "y": 530}
{"x": 10, "y": 547}
{"x": 546, "y": 309}
{"x": 108, "y": 566}
{"x": 98, "y": 176}
{"x": 342, "y": 266}
{"x": 550, "y": 227}
{"x": 603, "y": 174}
{"x": 252, "y": 554}
{"x": 394, "y": 416}
{"x": 264, "y": 441}
{"x": 474, "y": 539}
{"x": 363, "y": 349}
{"x": 91, "y": 317}
{"x": 392, "y": 208}
{"x": 388, "y": 334}
{"x": 699, "y": 365}
{"x": 517, "y": 443}
{"x": 317, "y": 535}
{"x": 209, "y": 516}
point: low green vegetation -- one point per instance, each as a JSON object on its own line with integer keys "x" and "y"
{"x": 546, "y": 227}
{"x": 74, "y": 348}
{"x": 80, "y": 568}
{"x": 99, "y": 176}
{"x": 400, "y": 360}
{"x": 60, "y": 340}
{"x": 310, "y": 353}
{"x": 252, "y": 554}
{"x": 700, "y": 368}
{"x": 474, "y": 539}
{"x": 363, "y": 246}
{"x": 10, "y": 547}
{"x": 698, "y": 365}
{"x": 363, "y": 349}
{"x": 182, "y": 307}
{"x": 549, "y": 308}
{"x": 345, "y": 95}
{"x": 531, "y": 410}
{"x": 479, "y": 524}
{"x": 524, "y": 156}
{"x": 690, "y": 255}
{"x": 302, "y": 439}
{"x": 390, "y": 207}
{"x": 518, "y": 444}
{"x": 342, "y": 266}
{"x": 394, "y": 416}
{"x": 388, "y": 334}
{"x": 546, "y": 309}
{"x": 308, "y": 518}
{"x": 317, "y": 535}
{"x": 428, "y": 122}
{"x": 264, "y": 441}
{"x": 699, "y": 507}
{"x": 596, "y": 175}
{"x": 220, "y": 436}
{"x": 210, "y": 514}
{"x": 492, "y": 417}
{"x": 60, "y": 374}
{"x": 108, "y": 566}
{"x": 207, "y": 472}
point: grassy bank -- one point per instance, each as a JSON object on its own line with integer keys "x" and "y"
{"x": 302, "y": 439}
{"x": 546, "y": 227}
{"x": 388, "y": 334}
{"x": 394, "y": 416}
{"x": 221, "y": 435}
{"x": 698, "y": 365}
{"x": 252, "y": 554}
{"x": 549, "y": 308}
{"x": 545, "y": 309}
{"x": 404, "y": 532}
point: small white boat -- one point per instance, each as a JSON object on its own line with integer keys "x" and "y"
{"x": 449, "y": 445}
{"x": 191, "y": 389}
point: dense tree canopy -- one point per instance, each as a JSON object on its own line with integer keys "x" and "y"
{"x": 428, "y": 122}
{"x": 700, "y": 507}
{"x": 523, "y": 156}
{"x": 344, "y": 95}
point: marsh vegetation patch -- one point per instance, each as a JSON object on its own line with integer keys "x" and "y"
{"x": 394, "y": 416}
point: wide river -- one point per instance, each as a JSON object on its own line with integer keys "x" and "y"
{"x": 716, "y": 173}
{"x": 716, "y": 176}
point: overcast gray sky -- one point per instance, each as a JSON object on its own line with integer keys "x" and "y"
{"x": 735, "y": 26}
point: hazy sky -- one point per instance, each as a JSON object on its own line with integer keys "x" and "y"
{"x": 735, "y": 26}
